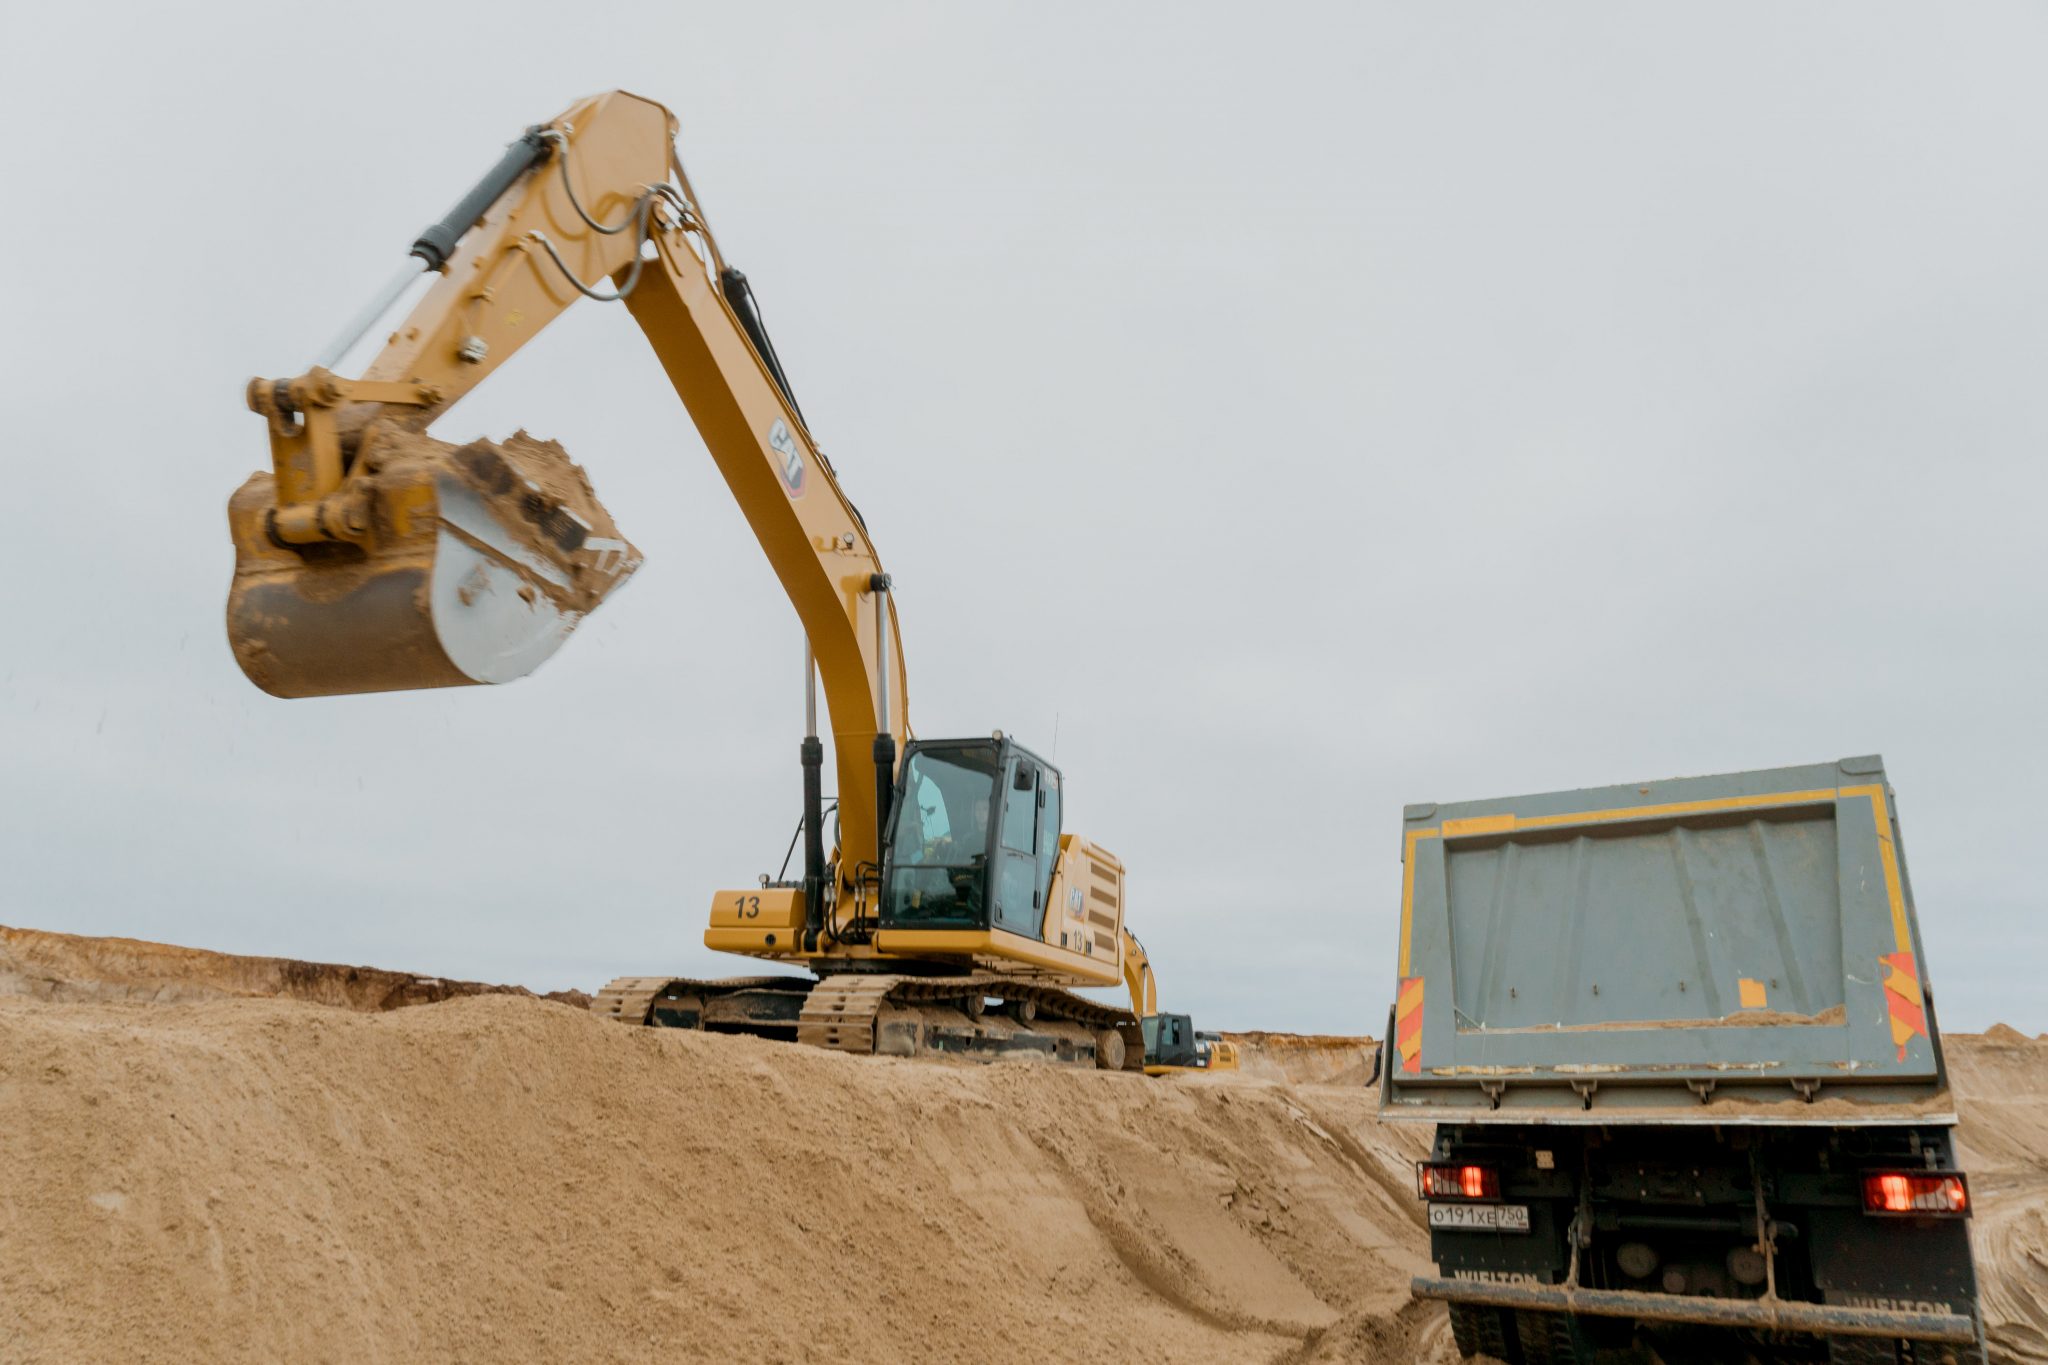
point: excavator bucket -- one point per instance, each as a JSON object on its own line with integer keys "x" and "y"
{"x": 465, "y": 564}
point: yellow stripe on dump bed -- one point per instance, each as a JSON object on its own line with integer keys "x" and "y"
{"x": 1479, "y": 825}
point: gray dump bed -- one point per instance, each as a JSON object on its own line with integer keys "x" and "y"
{"x": 1709, "y": 949}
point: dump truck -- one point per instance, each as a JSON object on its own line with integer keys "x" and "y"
{"x": 1679, "y": 1048}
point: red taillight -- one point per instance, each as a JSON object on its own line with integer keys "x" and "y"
{"x": 1444, "y": 1181}
{"x": 1942, "y": 1193}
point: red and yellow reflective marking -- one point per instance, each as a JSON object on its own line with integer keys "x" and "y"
{"x": 1408, "y": 1024}
{"x": 1903, "y": 1000}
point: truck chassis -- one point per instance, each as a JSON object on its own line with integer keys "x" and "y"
{"x": 1585, "y": 1232}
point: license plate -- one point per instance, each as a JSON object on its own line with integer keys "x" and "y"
{"x": 1480, "y": 1217}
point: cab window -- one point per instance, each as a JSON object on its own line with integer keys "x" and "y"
{"x": 1020, "y": 812}
{"x": 939, "y": 843}
{"x": 944, "y": 821}
{"x": 1048, "y": 830}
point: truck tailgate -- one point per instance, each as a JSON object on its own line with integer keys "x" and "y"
{"x": 1723, "y": 947}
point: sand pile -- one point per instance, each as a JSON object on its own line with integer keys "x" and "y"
{"x": 2001, "y": 1084}
{"x": 1305, "y": 1058}
{"x": 502, "y": 1176}
{"x": 50, "y": 966}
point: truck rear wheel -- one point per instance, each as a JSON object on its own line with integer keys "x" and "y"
{"x": 1482, "y": 1330}
{"x": 1552, "y": 1338}
{"x": 1888, "y": 1351}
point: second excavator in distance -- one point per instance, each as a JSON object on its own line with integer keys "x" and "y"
{"x": 954, "y": 914}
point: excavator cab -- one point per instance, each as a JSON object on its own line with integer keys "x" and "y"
{"x": 975, "y": 837}
{"x": 1173, "y": 1044}
{"x": 1170, "y": 1041}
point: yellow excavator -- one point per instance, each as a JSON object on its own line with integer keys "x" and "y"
{"x": 953, "y": 915}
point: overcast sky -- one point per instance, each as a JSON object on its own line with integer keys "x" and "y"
{"x": 1300, "y": 411}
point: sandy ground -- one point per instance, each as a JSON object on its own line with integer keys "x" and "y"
{"x": 246, "y": 1177}
{"x": 2001, "y": 1084}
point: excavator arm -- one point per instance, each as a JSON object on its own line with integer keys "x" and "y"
{"x": 1138, "y": 978}
{"x": 371, "y": 559}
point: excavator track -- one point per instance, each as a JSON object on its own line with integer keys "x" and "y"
{"x": 766, "y": 1005}
{"x": 890, "y": 1014}
{"x": 945, "y": 1015}
{"x": 627, "y": 999}
{"x": 843, "y": 1011}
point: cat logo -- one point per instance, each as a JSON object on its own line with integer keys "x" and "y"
{"x": 791, "y": 465}
{"x": 1075, "y": 904}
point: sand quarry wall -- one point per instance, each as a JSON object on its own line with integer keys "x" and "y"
{"x": 224, "y": 1174}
